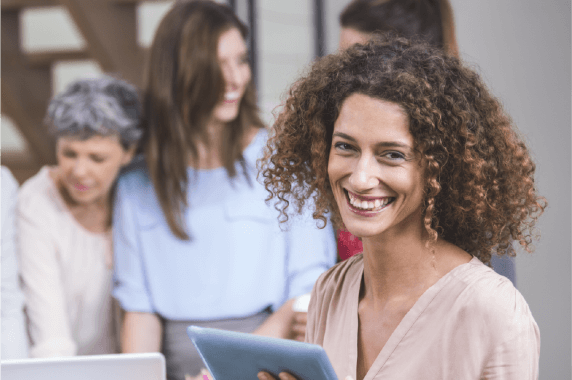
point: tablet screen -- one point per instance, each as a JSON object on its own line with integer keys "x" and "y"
{"x": 231, "y": 355}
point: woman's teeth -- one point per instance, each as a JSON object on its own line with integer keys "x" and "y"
{"x": 231, "y": 96}
{"x": 378, "y": 204}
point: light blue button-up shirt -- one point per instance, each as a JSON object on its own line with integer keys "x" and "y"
{"x": 239, "y": 260}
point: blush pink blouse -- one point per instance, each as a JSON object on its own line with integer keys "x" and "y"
{"x": 471, "y": 324}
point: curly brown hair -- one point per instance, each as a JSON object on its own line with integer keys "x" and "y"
{"x": 480, "y": 193}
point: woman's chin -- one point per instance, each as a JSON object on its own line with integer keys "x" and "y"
{"x": 360, "y": 232}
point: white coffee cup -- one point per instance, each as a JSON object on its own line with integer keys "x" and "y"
{"x": 301, "y": 303}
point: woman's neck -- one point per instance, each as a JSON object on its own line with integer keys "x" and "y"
{"x": 209, "y": 147}
{"x": 397, "y": 264}
{"x": 402, "y": 263}
{"x": 94, "y": 216}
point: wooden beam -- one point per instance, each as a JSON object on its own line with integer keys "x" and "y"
{"x": 21, "y": 173}
{"x": 25, "y": 91}
{"x": 19, "y": 4}
{"x": 137, "y": 1}
{"x": 47, "y": 58}
{"x": 111, "y": 35}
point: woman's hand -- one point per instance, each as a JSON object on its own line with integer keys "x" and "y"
{"x": 298, "y": 329}
{"x": 204, "y": 375}
{"x": 283, "y": 376}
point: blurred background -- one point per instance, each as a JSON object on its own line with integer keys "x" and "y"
{"x": 521, "y": 48}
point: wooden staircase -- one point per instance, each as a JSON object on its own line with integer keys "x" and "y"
{"x": 109, "y": 29}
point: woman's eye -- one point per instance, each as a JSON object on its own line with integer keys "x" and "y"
{"x": 342, "y": 146}
{"x": 69, "y": 154}
{"x": 97, "y": 159}
{"x": 394, "y": 156}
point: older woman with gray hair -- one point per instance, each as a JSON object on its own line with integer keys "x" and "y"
{"x": 64, "y": 219}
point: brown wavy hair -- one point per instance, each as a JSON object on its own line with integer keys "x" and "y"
{"x": 184, "y": 84}
{"x": 480, "y": 193}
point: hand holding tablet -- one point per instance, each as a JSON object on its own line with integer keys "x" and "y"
{"x": 284, "y": 376}
{"x": 231, "y": 355}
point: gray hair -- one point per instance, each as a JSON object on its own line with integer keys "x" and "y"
{"x": 102, "y": 106}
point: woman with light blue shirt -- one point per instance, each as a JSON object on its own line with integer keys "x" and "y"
{"x": 194, "y": 241}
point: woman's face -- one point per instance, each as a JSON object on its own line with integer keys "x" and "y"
{"x": 350, "y": 36}
{"x": 88, "y": 168}
{"x": 233, "y": 61}
{"x": 375, "y": 173}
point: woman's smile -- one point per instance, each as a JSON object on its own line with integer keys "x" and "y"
{"x": 375, "y": 172}
{"x": 80, "y": 187}
{"x": 366, "y": 206}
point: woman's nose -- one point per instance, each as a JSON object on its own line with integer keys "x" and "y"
{"x": 364, "y": 176}
{"x": 233, "y": 76}
{"x": 79, "y": 168}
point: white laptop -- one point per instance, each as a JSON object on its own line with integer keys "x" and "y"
{"x": 149, "y": 366}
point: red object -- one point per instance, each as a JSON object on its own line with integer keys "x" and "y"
{"x": 348, "y": 245}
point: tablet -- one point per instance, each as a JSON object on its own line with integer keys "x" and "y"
{"x": 149, "y": 366}
{"x": 231, "y": 355}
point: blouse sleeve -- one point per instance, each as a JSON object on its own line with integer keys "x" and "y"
{"x": 130, "y": 284}
{"x": 49, "y": 325}
{"x": 311, "y": 251}
{"x": 14, "y": 339}
{"x": 516, "y": 357}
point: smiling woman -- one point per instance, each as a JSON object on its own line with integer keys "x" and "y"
{"x": 195, "y": 242}
{"x": 87, "y": 169}
{"x": 64, "y": 219}
{"x": 408, "y": 150}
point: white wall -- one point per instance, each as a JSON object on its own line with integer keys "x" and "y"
{"x": 523, "y": 51}
{"x": 285, "y": 46}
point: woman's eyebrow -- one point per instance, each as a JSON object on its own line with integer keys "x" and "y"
{"x": 382, "y": 144}
{"x": 344, "y": 136}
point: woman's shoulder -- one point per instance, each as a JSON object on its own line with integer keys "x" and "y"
{"x": 38, "y": 193}
{"x": 135, "y": 176}
{"x": 340, "y": 275}
{"x": 135, "y": 188}
{"x": 494, "y": 298}
{"x": 255, "y": 149}
{"x": 331, "y": 294}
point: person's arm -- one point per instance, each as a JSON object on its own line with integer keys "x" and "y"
{"x": 46, "y": 307}
{"x": 312, "y": 321}
{"x": 14, "y": 339}
{"x": 283, "y": 376}
{"x": 141, "y": 327}
{"x": 141, "y": 332}
{"x": 312, "y": 251}
{"x": 278, "y": 325}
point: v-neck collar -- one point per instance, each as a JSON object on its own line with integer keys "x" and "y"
{"x": 402, "y": 328}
